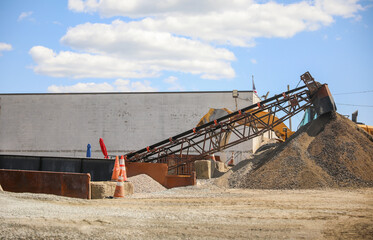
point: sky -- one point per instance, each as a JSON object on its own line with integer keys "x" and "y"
{"x": 189, "y": 45}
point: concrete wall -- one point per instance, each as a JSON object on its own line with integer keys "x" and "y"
{"x": 63, "y": 124}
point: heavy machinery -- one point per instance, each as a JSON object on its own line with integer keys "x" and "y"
{"x": 367, "y": 128}
{"x": 281, "y": 130}
{"x": 246, "y": 123}
{"x": 310, "y": 114}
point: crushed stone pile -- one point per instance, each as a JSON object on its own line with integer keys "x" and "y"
{"x": 329, "y": 152}
{"x": 144, "y": 184}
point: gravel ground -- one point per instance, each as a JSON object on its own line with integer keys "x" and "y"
{"x": 203, "y": 211}
{"x": 319, "y": 159}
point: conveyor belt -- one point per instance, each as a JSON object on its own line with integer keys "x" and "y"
{"x": 243, "y": 124}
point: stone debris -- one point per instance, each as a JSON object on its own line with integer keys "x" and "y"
{"x": 329, "y": 152}
{"x": 144, "y": 184}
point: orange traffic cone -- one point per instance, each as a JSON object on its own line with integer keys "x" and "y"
{"x": 119, "y": 189}
{"x": 116, "y": 170}
{"x": 231, "y": 162}
{"x": 123, "y": 171}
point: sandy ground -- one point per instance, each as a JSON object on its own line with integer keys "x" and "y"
{"x": 199, "y": 212}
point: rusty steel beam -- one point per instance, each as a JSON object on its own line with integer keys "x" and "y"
{"x": 245, "y": 124}
{"x": 132, "y": 156}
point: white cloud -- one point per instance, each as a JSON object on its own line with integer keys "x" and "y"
{"x": 173, "y": 83}
{"x": 170, "y": 79}
{"x": 189, "y": 36}
{"x": 5, "y": 47}
{"x": 145, "y": 8}
{"x": 57, "y": 23}
{"x": 242, "y": 27}
{"x": 134, "y": 41}
{"x": 128, "y": 86}
{"x": 235, "y": 23}
{"x": 77, "y": 5}
{"x": 344, "y": 8}
{"x": 83, "y": 6}
{"x": 82, "y": 87}
{"x": 79, "y": 65}
{"x": 118, "y": 86}
{"x": 121, "y": 50}
{"x": 24, "y": 15}
{"x": 253, "y": 61}
{"x": 141, "y": 8}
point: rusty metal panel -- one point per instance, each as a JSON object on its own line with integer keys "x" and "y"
{"x": 75, "y": 185}
{"x": 323, "y": 100}
{"x": 180, "y": 180}
{"x": 157, "y": 171}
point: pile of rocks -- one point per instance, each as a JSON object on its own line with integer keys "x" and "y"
{"x": 144, "y": 184}
{"x": 328, "y": 152}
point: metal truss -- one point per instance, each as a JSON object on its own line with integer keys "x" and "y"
{"x": 210, "y": 138}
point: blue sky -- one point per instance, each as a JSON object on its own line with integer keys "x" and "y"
{"x": 180, "y": 45}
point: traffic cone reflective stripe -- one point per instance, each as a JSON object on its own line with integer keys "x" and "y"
{"x": 119, "y": 188}
{"x": 123, "y": 171}
{"x": 116, "y": 170}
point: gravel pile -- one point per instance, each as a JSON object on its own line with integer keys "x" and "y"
{"x": 144, "y": 184}
{"x": 328, "y": 152}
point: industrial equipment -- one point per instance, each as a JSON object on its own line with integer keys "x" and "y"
{"x": 281, "y": 130}
{"x": 245, "y": 124}
{"x": 367, "y": 128}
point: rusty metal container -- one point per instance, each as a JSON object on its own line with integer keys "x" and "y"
{"x": 323, "y": 100}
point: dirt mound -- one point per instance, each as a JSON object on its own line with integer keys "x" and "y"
{"x": 144, "y": 184}
{"x": 328, "y": 152}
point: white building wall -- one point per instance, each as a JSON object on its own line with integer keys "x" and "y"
{"x": 258, "y": 140}
{"x": 63, "y": 124}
